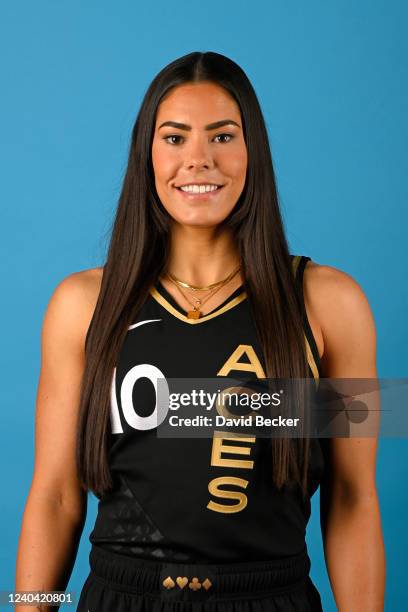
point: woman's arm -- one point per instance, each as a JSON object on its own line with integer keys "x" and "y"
{"x": 55, "y": 510}
{"x": 350, "y": 515}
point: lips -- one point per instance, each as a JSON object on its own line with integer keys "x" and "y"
{"x": 199, "y": 195}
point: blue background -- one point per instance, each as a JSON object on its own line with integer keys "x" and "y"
{"x": 332, "y": 81}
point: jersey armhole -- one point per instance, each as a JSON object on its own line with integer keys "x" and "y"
{"x": 299, "y": 264}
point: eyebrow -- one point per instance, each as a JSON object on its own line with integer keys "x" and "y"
{"x": 210, "y": 126}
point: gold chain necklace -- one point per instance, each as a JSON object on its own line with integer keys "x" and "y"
{"x": 195, "y": 313}
{"x": 181, "y": 283}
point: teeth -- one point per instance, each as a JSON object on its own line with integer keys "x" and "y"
{"x": 198, "y": 188}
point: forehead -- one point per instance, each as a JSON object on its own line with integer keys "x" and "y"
{"x": 198, "y": 103}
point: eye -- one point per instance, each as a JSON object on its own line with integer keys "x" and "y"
{"x": 166, "y": 138}
{"x": 229, "y": 136}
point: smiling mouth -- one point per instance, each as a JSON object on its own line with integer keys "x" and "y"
{"x": 200, "y": 195}
{"x": 189, "y": 191}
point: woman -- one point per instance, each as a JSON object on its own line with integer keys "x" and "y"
{"x": 198, "y": 283}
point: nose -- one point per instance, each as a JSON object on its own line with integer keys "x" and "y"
{"x": 198, "y": 154}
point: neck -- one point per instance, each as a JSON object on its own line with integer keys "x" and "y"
{"x": 200, "y": 256}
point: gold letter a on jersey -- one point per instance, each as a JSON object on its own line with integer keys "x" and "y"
{"x": 233, "y": 363}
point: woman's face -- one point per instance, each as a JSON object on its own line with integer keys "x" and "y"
{"x": 199, "y": 144}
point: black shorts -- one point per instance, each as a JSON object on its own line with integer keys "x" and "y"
{"x": 117, "y": 583}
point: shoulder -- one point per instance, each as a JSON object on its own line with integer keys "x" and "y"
{"x": 78, "y": 290}
{"x": 72, "y": 304}
{"x": 341, "y": 308}
{"x": 329, "y": 287}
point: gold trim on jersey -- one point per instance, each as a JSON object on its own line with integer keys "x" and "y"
{"x": 234, "y": 302}
{"x": 310, "y": 357}
{"x": 295, "y": 263}
{"x": 170, "y": 308}
{"x": 311, "y": 360}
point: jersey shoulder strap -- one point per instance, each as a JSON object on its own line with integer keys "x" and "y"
{"x": 298, "y": 266}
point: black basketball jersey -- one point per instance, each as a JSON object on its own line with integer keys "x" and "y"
{"x": 169, "y": 501}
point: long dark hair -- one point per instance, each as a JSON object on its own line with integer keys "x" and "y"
{"x": 138, "y": 251}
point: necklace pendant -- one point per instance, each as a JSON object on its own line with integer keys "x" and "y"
{"x": 193, "y": 314}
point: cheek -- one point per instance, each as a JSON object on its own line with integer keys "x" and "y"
{"x": 236, "y": 165}
{"x": 163, "y": 163}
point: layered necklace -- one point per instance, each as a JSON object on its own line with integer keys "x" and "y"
{"x": 197, "y": 303}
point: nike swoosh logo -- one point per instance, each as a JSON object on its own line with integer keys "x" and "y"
{"x": 142, "y": 323}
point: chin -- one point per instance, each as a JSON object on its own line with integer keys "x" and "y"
{"x": 197, "y": 220}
